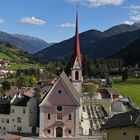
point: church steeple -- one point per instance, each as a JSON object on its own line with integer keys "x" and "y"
{"x": 77, "y": 53}
{"x": 76, "y": 70}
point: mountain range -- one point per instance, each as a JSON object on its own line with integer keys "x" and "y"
{"x": 24, "y": 42}
{"x": 94, "y": 43}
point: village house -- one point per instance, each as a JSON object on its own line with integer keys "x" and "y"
{"x": 18, "y": 114}
{"x": 2, "y": 74}
{"x": 44, "y": 87}
{"x": 3, "y": 64}
{"x": 107, "y": 93}
{"x": 124, "y": 126}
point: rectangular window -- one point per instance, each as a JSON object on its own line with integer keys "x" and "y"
{"x": 69, "y": 131}
{"x": 49, "y": 131}
{"x": 59, "y": 116}
{"x": 3, "y": 120}
{"x": 137, "y": 137}
{"x": 70, "y": 116}
{"x": 23, "y": 110}
{"x": 19, "y": 129}
{"x": 49, "y": 116}
{"x": 18, "y": 119}
{"x": 7, "y": 120}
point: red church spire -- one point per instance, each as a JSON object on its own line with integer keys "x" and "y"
{"x": 77, "y": 52}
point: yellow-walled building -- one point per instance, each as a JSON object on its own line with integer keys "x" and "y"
{"x": 124, "y": 126}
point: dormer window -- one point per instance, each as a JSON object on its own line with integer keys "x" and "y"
{"x": 59, "y": 91}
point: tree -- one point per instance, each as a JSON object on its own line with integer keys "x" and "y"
{"x": 32, "y": 81}
{"x": 22, "y": 81}
{"x": 125, "y": 75}
{"x": 109, "y": 81}
{"x": 6, "y": 85}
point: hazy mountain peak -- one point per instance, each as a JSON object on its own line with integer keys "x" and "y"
{"x": 121, "y": 28}
{"x": 24, "y": 42}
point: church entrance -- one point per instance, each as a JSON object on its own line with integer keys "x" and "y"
{"x": 59, "y": 132}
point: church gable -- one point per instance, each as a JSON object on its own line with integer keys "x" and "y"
{"x": 76, "y": 64}
{"x": 59, "y": 95}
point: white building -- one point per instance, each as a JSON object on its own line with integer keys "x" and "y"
{"x": 18, "y": 114}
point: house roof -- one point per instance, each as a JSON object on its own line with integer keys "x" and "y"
{"x": 124, "y": 119}
{"x": 2, "y": 73}
{"x": 4, "y": 106}
{"x": 24, "y": 91}
{"x": 70, "y": 87}
{"x": 15, "y": 90}
{"x": 117, "y": 106}
{"x": 45, "y": 89}
{"x": 20, "y": 101}
{"x": 108, "y": 91}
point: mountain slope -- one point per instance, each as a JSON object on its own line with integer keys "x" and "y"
{"x": 94, "y": 43}
{"x": 10, "y": 52}
{"x": 110, "y": 45}
{"x": 130, "y": 54}
{"x": 65, "y": 48}
{"x": 26, "y": 43}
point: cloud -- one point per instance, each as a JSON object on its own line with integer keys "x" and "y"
{"x": 67, "y": 25}
{"x": 134, "y": 7}
{"x": 134, "y": 13}
{"x": 33, "y": 21}
{"x": 2, "y": 21}
{"x": 128, "y": 22}
{"x": 97, "y": 3}
{"x": 135, "y": 17}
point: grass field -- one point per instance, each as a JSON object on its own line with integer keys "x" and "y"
{"x": 4, "y": 56}
{"x": 23, "y": 66}
{"x": 129, "y": 88}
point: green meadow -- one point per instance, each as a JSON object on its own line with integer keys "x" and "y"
{"x": 129, "y": 88}
{"x": 4, "y": 56}
{"x": 15, "y": 66}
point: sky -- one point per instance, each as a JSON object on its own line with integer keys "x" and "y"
{"x": 54, "y": 20}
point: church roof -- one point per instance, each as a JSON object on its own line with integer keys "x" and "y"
{"x": 77, "y": 53}
{"x": 124, "y": 119}
{"x": 70, "y": 87}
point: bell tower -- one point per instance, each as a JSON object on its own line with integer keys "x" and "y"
{"x": 76, "y": 67}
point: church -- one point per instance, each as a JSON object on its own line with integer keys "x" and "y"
{"x": 60, "y": 108}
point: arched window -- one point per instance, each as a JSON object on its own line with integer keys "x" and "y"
{"x": 76, "y": 75}
{"x": 49, "y": 116}
{"x": 70, "y": 116}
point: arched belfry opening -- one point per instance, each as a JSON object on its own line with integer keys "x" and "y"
{"x": 76, "y": 75}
